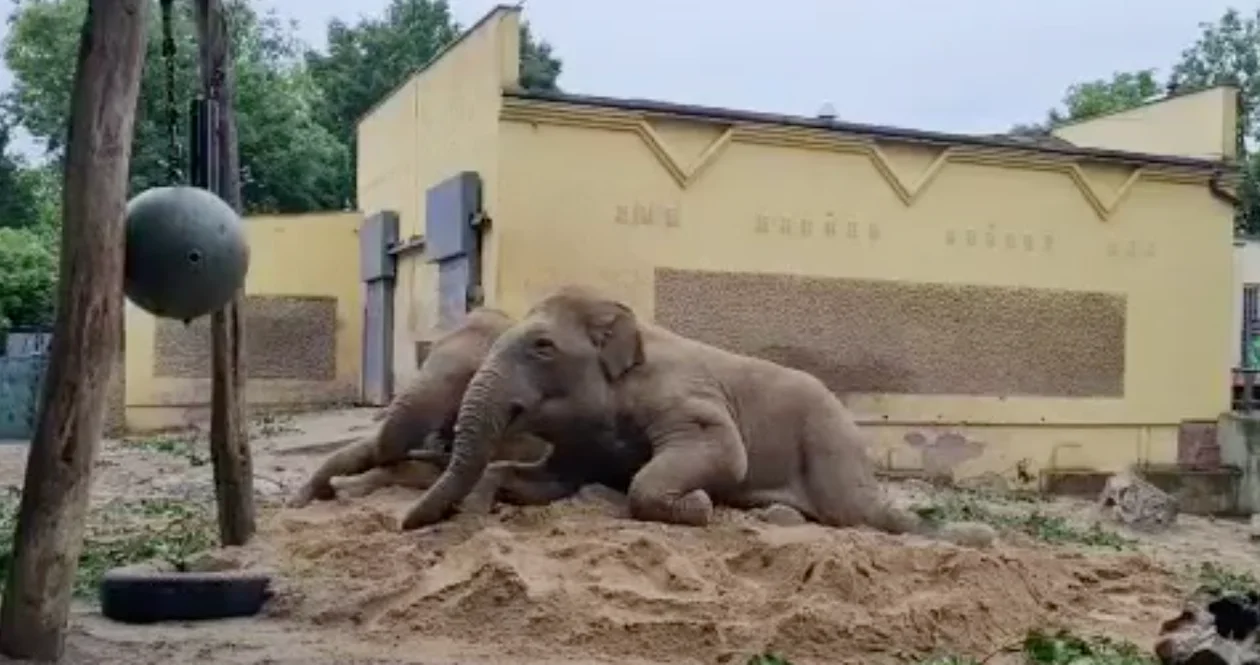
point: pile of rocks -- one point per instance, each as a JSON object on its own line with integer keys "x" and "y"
{"x": 1222, "y": 631}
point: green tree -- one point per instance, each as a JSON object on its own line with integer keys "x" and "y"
{"x": 1228, "y": 52}
{"x": 290, "y": 162}
{"x": 29, "y": 222}
{"x": 19, "y": 205}
{"x": 364, "y": 62}
{"x": 28, "y": 276}
{"x": 1124, "y": 90}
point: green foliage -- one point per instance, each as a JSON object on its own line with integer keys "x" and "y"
{"x": 961, "y": 507}
{"x": 289, "y": 162}
{"x": 186, "y": 446}
{"x": 28, "y": 277}
{"x": 122, "y": 534}
{"x": 364, "y": 62}
{"x": 1227, "y": 51}
{"x": 296, "y": 108}
{"x": 19, "y": 203}
{"x": 1063, "y": 648}
{"x": 1038, "y": 648}
{"x": 1124, "y": 90}
{"x": 1215, "y": 579}
{"x": 9, "y": 499}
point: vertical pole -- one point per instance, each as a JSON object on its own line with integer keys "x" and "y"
{"x": 229, "y": 443}
{"x": 86, "y": 334}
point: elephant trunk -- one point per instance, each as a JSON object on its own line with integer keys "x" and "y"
{"x": 489, "y": 407}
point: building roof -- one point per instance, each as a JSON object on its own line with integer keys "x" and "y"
{"x": 1044, "y": 144}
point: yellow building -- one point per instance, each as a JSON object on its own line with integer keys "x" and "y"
{"x": 303, "y": 321}
{"x": 982, "y": 303}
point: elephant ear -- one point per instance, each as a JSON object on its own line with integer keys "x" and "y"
{"x": 614, "y": 330}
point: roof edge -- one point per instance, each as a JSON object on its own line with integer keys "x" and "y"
{"x": 494, "y": 11}
{"x": 877, "y": 131}
{"x": 1167, "y": 97}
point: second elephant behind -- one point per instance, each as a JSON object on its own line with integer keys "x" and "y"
{"x": 416, "y": 428}
{"x": 721, "y": 427}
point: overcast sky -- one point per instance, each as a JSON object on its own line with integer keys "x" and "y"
{"x": 963, "y": 65}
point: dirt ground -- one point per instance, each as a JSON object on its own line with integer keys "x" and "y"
{"x": 578, "y": 583}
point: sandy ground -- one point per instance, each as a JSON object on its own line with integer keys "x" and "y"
{"x": 578, "y": 582}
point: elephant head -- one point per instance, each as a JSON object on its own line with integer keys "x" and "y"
{"x": 553, "y": 370}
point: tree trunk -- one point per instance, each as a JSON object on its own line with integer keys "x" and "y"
{"x": 229, "y": 441}
{"x": 86, "y": 335}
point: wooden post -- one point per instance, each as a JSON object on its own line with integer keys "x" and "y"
{"x": 86, "y": 338}
{"x": 229, "y": 441}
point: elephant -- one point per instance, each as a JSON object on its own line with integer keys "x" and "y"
{"x": 720, "y": 427}
{"x": 417, "y": 427}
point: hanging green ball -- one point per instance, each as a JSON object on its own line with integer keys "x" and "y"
{"x": 186, "y": 252}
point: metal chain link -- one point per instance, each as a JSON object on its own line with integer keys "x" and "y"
{"x": 173, "y": 159}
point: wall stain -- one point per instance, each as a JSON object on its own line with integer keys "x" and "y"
{"x": 941, "y": 453}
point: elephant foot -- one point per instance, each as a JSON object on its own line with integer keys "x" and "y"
{"x": 779, "y": 514}
{"x": 694, "y": 508}
{"x": 312, "y": 492}
{"x": 421, "y": 515}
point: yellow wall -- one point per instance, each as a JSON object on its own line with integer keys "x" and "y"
{"x": 1157, "y": 236}
{"x": 290, "y": 256}
{"x": 1199, "y": 125}
{"x": 442, "y": 121}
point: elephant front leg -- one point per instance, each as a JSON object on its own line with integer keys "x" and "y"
{"x": 352, "y": 459}
{"x": 517, "y": 483}
{"x": 695, "y": 460}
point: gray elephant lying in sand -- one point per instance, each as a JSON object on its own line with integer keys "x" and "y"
{"x": 721, "y": 427}
{"x": 416, "y": 429}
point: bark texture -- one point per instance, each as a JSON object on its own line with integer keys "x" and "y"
{"x": 229, "y": 441}
{"x": 86, "y": 335}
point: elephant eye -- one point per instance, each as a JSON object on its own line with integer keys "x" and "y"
{"x": 544, "y": 346}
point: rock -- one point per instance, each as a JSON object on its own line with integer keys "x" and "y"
{"x": 968, "y": 534}
{"x": 1194, "y": 638}
{"x": 780, "y": 515}
{"x": 217, "y": 561}
{"x": 601, "y": 495}
{"x": 1136, "y": 503}
{"x": 151, "y": 566}
{"x": 986, "y": 483}
{"x": 1253, "y": 532}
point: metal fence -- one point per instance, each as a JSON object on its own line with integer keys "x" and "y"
{"x": 23, "y": 364}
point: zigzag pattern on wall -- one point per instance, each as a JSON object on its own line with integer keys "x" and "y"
{"x": 909, "y": 190}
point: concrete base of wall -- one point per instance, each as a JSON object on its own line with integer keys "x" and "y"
{"x": 116, "y": 399}
{"x": 1198, "y": 491}
{"x": 150, "y": 419}
{"x": 1238, "y": 437}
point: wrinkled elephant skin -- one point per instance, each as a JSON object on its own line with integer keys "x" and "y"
{"x": 719, "y": 426}
{"x": 417, "y": 427}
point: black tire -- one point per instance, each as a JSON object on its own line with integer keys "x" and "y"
{"x": 137, "y": 596}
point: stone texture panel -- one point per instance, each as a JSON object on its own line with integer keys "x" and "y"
{"x": 908, "y": 338}
{"x": 1197, "y": 446}
{"x": 286, "y": 337}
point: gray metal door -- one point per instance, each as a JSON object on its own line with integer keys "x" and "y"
{"x": 452, "y": 241}
{"x": 21, "y": 379}
{"x": 377, "y": 269}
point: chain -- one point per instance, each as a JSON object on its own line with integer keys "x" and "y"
{"x": 173, "y": 172}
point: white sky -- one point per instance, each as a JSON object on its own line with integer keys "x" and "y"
{"x": 963, "y": 65}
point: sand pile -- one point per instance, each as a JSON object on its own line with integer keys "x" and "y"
{"x": 576, "y": 580}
